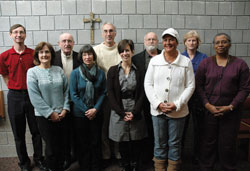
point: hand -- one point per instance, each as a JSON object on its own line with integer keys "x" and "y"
{"x": 54, "y": 117}
{"x": 63, "y": 114}
{"x": 128, "y": 116}
{"x": 162, "y": 107}
{"x": 224, "y": 109}
{"x": 170, "y": 106}
{"x": 91, "y": 113}
{"x": 213, "y": 109}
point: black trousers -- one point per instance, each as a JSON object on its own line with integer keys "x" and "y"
{"x": 88, "y": 140}
{"x": 131, "y": 154}
{"x": 218, "y": 141}
{"x": 20, "y": 109}
{"x": 53, "y": 136}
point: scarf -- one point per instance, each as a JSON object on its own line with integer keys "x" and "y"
{"x": 90, "y": 76}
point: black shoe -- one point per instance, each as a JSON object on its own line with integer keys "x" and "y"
{"x": 106, "y": 163}
{"x": 26, "y": 168}
{"x": 67, "y": 164}
{"x": 40, "y": 164}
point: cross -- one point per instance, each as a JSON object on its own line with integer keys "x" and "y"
{"x": 92, "y": 20}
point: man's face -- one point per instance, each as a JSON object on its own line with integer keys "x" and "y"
{"x": 108, "y": 34}
{"x": 18, "y": 35}
{"x": 66, "y": 43}
{"x": 151, "y": 41}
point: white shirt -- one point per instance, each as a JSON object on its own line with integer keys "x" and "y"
{"x": 169, "y": 82}
{"x": 67, "y": 62}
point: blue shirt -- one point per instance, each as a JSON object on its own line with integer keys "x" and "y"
{"x": 48, "y": 90}
{"x": 197, "y": 59}
{"x": 77, "y": 90}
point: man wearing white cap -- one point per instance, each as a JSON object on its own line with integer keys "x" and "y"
{"x": 169, "y": 84}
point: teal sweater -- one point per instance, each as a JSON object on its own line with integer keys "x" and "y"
{"x": 77, "y": 90}
{"x": 48, "y": 90}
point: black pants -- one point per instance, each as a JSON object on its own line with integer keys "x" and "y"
{"x": 53, "y": 135}
{"x": 20, "y": 109}
{"x": 88, "y": 140}
{"x": 218, "y": 141}
{"x": 131, "y": 154}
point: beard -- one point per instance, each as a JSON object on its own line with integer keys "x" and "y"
{"x": 151, "y": 47}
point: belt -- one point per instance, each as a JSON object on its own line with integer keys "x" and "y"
{"x": 19, "y": 91}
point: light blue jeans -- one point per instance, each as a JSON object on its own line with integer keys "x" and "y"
{"x": 168, "y": 137}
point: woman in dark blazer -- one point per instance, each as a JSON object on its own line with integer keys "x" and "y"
{"x": 125, "y": 93}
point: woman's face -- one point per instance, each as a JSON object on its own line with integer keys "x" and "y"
{"x": 221, "y": 44}
{"x": 44, "y": 55}
{"x": 127, "y": 54}
{"x": 88, "y": 59}
{"x": 169, "y": 43}
{"x": 191, "y": 43}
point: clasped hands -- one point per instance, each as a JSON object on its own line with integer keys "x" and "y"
{"x": 166, "y": 107}
{"x": 128, "y": 116}
{"x": 56, "y": 117}
{"x": 218, "y": 110}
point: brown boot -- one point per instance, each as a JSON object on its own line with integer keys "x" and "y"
{"x": 159, "y": 164}
{"x": 174, "y": 165}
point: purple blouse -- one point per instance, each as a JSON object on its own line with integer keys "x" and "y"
{"x": 223, "y": 86}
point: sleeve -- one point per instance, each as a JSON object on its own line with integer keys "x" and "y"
{"x": 189, "y": 87}
{"x": 35, "y": 95}
{"x": 66, "y": 104}
{"x": 3, "y": 67}
{"x": 244, "y": 86}
{"x": 200, "y": 78}
{"x": 111, "y": 92}
{"x": 139, "y": 102}
{"x": 75, "y": 94}
{"x": 102, "y": 91}
{"x": 149, "y": 86}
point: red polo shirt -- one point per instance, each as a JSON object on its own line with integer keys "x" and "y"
{"x": 15, "y": 66}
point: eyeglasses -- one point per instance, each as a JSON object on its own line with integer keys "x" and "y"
{"x": 16, "y": 32}
{"x": 65, "y": 41}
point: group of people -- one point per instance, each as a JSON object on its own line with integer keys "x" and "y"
{"x": 105, "y": 101}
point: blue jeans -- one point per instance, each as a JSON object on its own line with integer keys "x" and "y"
{"x": 168, "y": 136}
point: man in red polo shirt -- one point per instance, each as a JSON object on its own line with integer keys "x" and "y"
{"x": 14, "y": 64}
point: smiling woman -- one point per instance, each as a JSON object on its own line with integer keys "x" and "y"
{"x": 48, "y": 91}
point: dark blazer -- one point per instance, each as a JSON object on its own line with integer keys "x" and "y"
{"x": 114, "y": 92}
{"x": 58, "y": 60}
{"x": 139, "y": 60}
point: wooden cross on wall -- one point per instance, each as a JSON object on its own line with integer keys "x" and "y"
{"x": 92, "y": 21}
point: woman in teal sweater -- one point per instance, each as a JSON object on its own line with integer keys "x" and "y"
{"x": 48, "y": 91}
{"x": 87, "y": 91}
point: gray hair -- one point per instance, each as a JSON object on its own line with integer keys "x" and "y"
{"x": 109, "y": 23}
{"x": 222, "y": 34}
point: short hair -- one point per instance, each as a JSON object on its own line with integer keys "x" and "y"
{"x": 123, "y": 44}
{"x": 86, "y": 49}
{"x": 40, "y": 47}
{"x": 16, "y": 26}
{"x": 109, "y": 23}
{"x": 224, "y": 34}
{"x": 192, "y": 33}
{"x": 148, "y": 33}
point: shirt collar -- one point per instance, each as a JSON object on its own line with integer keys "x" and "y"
{"x": 132, "y": 66}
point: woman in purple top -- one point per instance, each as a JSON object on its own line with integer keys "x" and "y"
{"x": 192, "y": 41}
{"x": 222, "y": 82}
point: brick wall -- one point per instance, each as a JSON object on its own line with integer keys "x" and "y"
{"x": 45, "y": 20}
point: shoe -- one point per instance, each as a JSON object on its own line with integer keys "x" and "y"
{"x": 67, "y": 164}
{"x": 106, "y": 163}
{"x": 40, "y": 164}
{"x": 26, "y": 168}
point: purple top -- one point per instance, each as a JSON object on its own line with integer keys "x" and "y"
{"x": 223, "y": 86}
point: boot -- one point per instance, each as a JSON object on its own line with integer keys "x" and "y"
{"x": 159, "y": 164}
{"x": 174, "y": 165}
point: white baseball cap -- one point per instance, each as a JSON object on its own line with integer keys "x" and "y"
{"x": 171, "y": 32}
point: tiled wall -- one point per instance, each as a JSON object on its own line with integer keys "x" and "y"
{"x": 45, "y": 20}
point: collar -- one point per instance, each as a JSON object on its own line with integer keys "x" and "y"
{"x": 67, "y": 56}
{"x": 13, "y": 51}
{"x": 132, "y": 66}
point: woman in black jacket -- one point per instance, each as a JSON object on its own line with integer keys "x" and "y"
{"x": 125, "y": 93}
